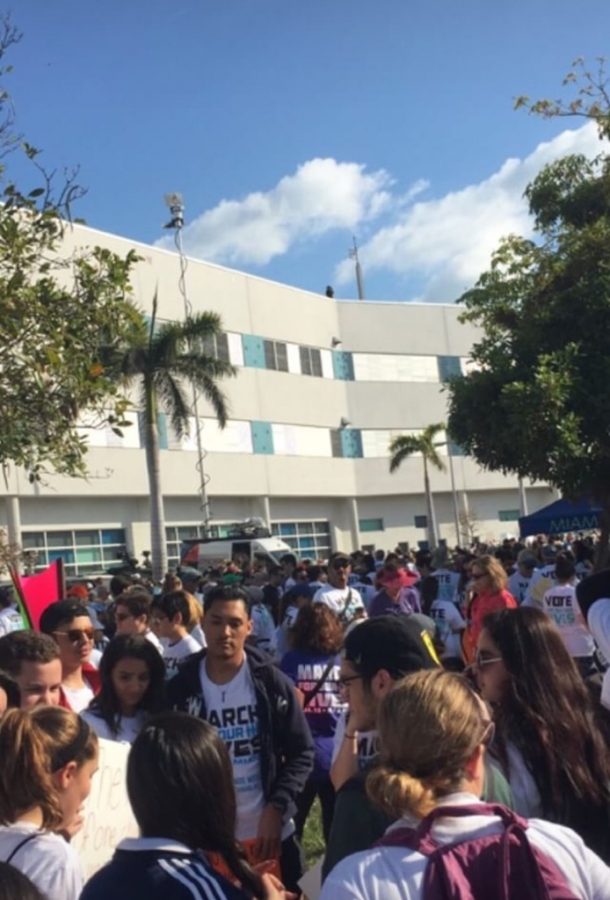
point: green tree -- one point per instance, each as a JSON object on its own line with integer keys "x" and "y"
{"x": 405, "y": 445}
{"x": 59, "y": 314}
{"x": 537, "y": 401}
{"x": 161, "y": 361}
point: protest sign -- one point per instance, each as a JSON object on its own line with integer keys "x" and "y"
{"x": 107, "y": 814}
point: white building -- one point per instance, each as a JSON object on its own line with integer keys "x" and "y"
{"x": 322, "y": 386}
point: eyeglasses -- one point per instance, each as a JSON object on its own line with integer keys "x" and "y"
{"x": 76, "y": 635}
{"x": 480, "y": 661}
{"x": 346, "y": 681}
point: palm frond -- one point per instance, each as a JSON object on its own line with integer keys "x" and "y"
{"x": 194, "y": 365}
{"x": 401, "y": 447}
{"x": 174, "y": 400}
{"x": 213, "y": 394}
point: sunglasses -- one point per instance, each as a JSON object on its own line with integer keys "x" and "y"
{"x": 76, "y": 635}
{"x": 341, "y": 563}
{"x": 477, "y": 575}
{"x": 120, "y": 617}
{"x": 480, "y": 661}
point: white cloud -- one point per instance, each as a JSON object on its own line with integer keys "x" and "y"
{"x": 321, "y": 195}
{"x": 447, "y": 242}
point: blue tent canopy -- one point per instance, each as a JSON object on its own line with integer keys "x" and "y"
{"x": 559, "y": 517}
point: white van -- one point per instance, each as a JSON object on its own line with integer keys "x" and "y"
{"x": 244, "y": 543}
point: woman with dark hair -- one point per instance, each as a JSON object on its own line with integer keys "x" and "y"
{"x": 133, "y": 687}
{"x": 547, "y": 741}
{"x": 313, "y": 665}
{"x": 180, "y": 785}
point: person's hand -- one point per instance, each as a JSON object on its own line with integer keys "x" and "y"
{"x": 274, "y": 889}
{"x": 269, "y": 837}
{"x": 72, "y": 827}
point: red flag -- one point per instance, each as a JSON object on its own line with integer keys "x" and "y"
{"x": 36, "y": 592}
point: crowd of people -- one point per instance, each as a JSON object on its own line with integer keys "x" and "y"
{"x": 449, "y": 712}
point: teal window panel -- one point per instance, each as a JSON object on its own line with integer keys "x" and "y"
{"x": 508, "y": 515}
{"x": 262, "y": 437}
{"x": 351, "y": 443}
{"x": 343, "y": 365}
{"x": 455, "y": 449}
{"x": 449, "y": 367}
{"x": 370, "y": 525}
{"x": 254, "y": 351}
{"x": 162, "y": 429}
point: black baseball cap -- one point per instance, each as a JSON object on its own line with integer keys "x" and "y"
{"x": 395, "y": 643}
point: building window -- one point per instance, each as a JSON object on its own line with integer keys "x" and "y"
{"x": 370, "y": 525}
{"x": 307, "y": 539}
{"x": 86, "y": 551}
{"x": 335, "y": 442}
{"x": 508, "y": 515}
{"x": 421, "y": 521}
{"x": 276, "y": 356}
{"x": 311, "y": 361}
{"x": 217, "y": 345}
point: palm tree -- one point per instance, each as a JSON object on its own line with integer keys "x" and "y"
{"x": 161, "y": 361}
{"x": 405, "y": 445}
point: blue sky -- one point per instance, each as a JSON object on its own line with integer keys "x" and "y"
{"x": 289, "y": 126}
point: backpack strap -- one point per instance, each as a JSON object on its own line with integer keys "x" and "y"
{"x": 21, "y": 844}
{"x": 420, "y": 840}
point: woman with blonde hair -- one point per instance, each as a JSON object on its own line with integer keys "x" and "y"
{"x": 446, "y": 843}
{"x": 48, "y": 757}
{"x": 486, "y": 593}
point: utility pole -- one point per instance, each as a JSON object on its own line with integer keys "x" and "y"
{"x": 353, "y": 254}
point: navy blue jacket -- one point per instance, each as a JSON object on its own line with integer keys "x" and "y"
{"x": 159, "y": 874}
{"x": 286, "y": 743}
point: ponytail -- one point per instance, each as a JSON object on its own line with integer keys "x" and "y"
{"x": 33, "y": 746}
{"x": 25, "y": 774}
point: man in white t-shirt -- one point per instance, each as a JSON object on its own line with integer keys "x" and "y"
{"x": 345, "y": 601}
{"x": 254, "y": 707}
{"x": 132, "y": 615}
{"x": 519, "y": 581}
{"x": 69, "y": 624}
{"x": 171, "y": 617}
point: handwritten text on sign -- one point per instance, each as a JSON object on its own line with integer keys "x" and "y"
{"x": 107, "y": 815}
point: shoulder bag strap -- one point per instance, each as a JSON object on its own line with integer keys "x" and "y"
{"x": 308, "y": 697}
{"x": 21, "y": 844}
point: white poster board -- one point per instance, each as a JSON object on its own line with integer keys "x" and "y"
{"x": 107, "y": 814}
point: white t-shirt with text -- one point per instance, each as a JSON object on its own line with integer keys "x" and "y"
{"x": 231, "y": 708}
{"x": 179, "y": 650}
{"x": 449, "y": 623}
{"x": 561, "y": 605}
{"x": 345, "y": 602}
